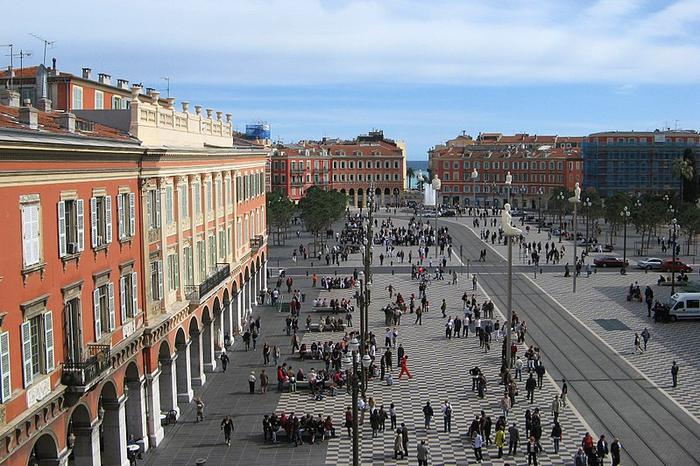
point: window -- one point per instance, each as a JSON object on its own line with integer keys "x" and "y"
{"x": 99, "y": 100}
{"x": 156, "y": 280}
{"x": 227, "y": 189}
{"x": 126, "y": 212}
{"x": 31, "y": 234}
{"x": 153, "y": 208}
{"x": 77, "y": 103}
{"x": 103, "y": 307}
{"x": 239, "y": 233}
{"x": 196, "y": 199}
{"x": 207, "y": 194}
{"x": 169, "y": 204}
{"x": 74, "y": 341}
{"x": 201, "y": 257}
{"x": 219, "y": 197}
{"x": 128, "y": 296}
{"x": 116, "y": 103}
{"x": 212, "y": 250}
{"x": 37, "y": 346}
{"x": 5, "y": 380}
{"x": 222, "y": 244}
{"x": 182, "y": 202}
{"x": 71, "y": 227}
{"x": 173, "y": 272}
{"x": 189, "y": 265}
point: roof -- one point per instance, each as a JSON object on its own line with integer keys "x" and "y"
{"x": 26, "y": 72}
{"x": 48, "y": 124}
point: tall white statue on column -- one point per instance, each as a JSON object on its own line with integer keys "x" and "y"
{"x": 509, "y": 179}
{"x": 508, "y": 228}
{"x": 577, "y": 194}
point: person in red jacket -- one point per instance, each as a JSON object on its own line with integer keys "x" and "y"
{"x": 588, "y": 445}
{"x": 404, "y": 368}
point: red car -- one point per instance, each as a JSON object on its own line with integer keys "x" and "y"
{"x": 610, "y": 261}
{"x": 669, "y": 266}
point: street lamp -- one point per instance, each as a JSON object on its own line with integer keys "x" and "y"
{"x": 560, "y": 197}
{"x": 540, "y": 191}
{"x": 475, "y": 175}
{"x": 673, "y": 263}
{"x": 510, "y": 232}
{"x": 437, "y": 184}
{"x": 523, "y": 190}
{"x": 587, "y": 204}
{"x": 575, "y": 199}
{"x": 625, "y": 214}
{"x": 350, "y": 366}
{"x": 638, "y": 207}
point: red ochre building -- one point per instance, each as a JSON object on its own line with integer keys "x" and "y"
{"x": 538, "y": 164}
{"x": 347, "y": 166}
{"x": 131, "y": 249}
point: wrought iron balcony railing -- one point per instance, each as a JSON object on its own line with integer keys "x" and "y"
{"x": 217, "y": 275}
{"x": 80, "y": 375}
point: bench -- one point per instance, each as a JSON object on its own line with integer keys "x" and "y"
{"x": 326, "y": 328}
{"x": 322, "y": 309}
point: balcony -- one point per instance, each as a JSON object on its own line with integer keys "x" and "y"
{"x": 217, "y": 275}
{"x": 256, "y": 242}
{"x": 79, "y": 376}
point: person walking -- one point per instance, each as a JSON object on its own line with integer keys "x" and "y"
{"x": 404, "y": 438}
{"x": 443, "y": 308}
{"x": 602, "y": 449}
{"x": 348, "y": 421}
{"x": 427, "y": 413}
{"x": 275, "y": 354}
{"x": 500, "y": 439}
{"x": 674, "y": 374}
{"x": 404, "y": 368}
{"x": 398, "y": 444}
{"x": 227, "y": 427}
{"x": 513, "y": 438}
{"x": 423, "y": 454}
{"x": 505, "y": 405}
{"x": 251, "y": 382}
{"x": 556, "y": 436}
{"x": 533, "y": 448}
{"x": 530, "y": 386}
{"x": 556, "y": 406}
{"x": 615, "y": 448}
{"x": 264, "y": 380}
{"x": 477, "y": 444}
{"x": 266, "y": 353}
{"x": 564, "y": 393}
{"x": 447, "y": 416}
{"x": 224, "y": 361}
{"x": 474, "y": 282}
{"x": 637, "y": 344}
{"x": 392, "y": 416}
{"x": 580, "y": 458}
{"x": 645, "y": 337}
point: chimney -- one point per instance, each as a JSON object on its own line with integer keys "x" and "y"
{"x": 66, "y": 121}
{"x": 104, "y": 78}
{"x": 87, "y": 73}
{"x": 122, "y": 84}
{"x": 9, "y": 98}
{"x": 28, "y": 115}
{"x": 54, "y": 71}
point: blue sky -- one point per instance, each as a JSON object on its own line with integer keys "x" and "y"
{"x": 422, "y": 71}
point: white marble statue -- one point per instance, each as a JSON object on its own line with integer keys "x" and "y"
{"x": 577, "y": 194}
{"x": 508, "y": 228}
{"x": 509, "y": 179}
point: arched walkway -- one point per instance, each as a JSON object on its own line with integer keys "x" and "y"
{"x": 386, "y": 195}
{"x": 208, "y": 352}
{"x": 113, "y": 428}
{"x": 182, "y": 368}
{"x": 167, "y": 381}
{"x": 236, "y": 308}
{"x": 361, "y": 198}
{"x": 353, "y": 197}
{"x": 135, "y": 404}
{"x": 196, "y": 354}
{"x": 45, "y": 452}
{"x": 85, "y": 436}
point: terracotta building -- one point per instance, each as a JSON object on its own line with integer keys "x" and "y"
{"x": 133, "y": 249}
{"x": 348, "y": 166}
{"x": 538, "y": 164}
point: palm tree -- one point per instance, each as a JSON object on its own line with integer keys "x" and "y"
{"x": 410, "y": 174}
{"x": 683, "y": 169}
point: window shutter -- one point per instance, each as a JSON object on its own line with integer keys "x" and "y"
{"x": 134, "y": 294}
{"x": 157, "y": 194}
{"x": 96, "y": 308}
{"x": 93, "y": 221}
{"x": 61, "y": 228}
{"x": 120, "y": 216}
{"x": 149, "y": 211}
{"x": 122, "y": 299}
{"x": 132, "y": 214}
{"x": 110, "y": 291}
{"x": 160, "y": 279}
{"x": 27, "y": 353}
{"x": 5, "y": 381}
{"x": 80, "y": 211}
{"x": 108, "y": 219}
{"x": 48, "y": 342}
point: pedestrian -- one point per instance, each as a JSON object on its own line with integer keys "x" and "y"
{"x": 447, "y": 416}
{"x": 251, "y": 382}
{"x": 348, "y": 421}
{"x": 513, "y": 438}
{"x": 398, "y": 444}
{"x": 200, "y": 409}
{"x": 392, "y": 416}
{"x": 224, "y": 361}
{"x": 275, "y": 354}
{"x": 674, "y": 374}
{"x": 556, "y": 436}
{"x": 530, "y": 386}
{"x": 443, "y": 308}
{"x": 266, "y": 354}
{"x": 580, "y": 458}
{"x": 474, "y": 282}
{"x": 637, "y": 344}
{"x": 533, "y": 448}
{"x": 263, "y": 381}
{"x": 500, "y": 439}
{"x": 645, "y": 336}
{"x": 227, "y": 427}
{"x": 427, "y": 413}
{"x": 477, "y": 443}
{"x": 404, "y": 368}
{"x": 505, "y": 404}
{"x": 602, "y": 449}
{"x": 615, "y": 448}
{"x": 556, "y": 405}
{"x": 404, "y": 438}
{"x": 564, "y": 393}
{"x": 423, "y": 454}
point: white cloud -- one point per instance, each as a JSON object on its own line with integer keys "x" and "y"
{"x": 402, "y": 41}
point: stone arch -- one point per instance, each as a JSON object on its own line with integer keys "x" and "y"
{"x": 361, "y": 199}
{"x": 85, "y": 437}
{"x": 183, "y": 381}
{"x": 208, "y": 336}
{"x": 196, "y": 353}
{"x": 235, "y": 307}
{"x": 113, "y": 429}
{"x": 353, "y": 197}
{"x": 135, "y": 403}
{"x": 167, "y": 381}
{"x": 44, "y": 451}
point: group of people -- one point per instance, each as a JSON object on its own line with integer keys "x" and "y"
{"x": 296, "y": 428}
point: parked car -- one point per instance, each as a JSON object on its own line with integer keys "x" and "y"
{"x": 669, "y": 266}
{"x": 650, "y": 263}
{"x": 448, "y": 213}
{"x": 610, "y": 261}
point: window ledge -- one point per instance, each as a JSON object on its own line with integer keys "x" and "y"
{"x": 40, "y": 267}
{"x": 70, "y": 257}
{"x": 126, "y": 239}
{"x": 101, "y": 247}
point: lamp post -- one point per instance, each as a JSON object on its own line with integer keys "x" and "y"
{"x": 575, "y": 199}
{"x": 673, "y": 263}
{"x": 436, "y": 183}
{"x": 587, "y": 204}
{"x": 510, "y": 232}
{"x": 560, "y": 197}
{"x": 540, "y": 191}
{"x": 475, "y": 175}
{"x": 625, "y": 214}
{"x": 523, "y": 190}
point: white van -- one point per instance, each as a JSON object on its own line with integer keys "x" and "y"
{"x": 684, "y": 306}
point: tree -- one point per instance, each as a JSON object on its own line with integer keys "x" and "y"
{"x": 689, "y": 220}
{"x": 684, "y": 169}
{"x": 319, "y": 209}
{"x": 410, "y": 174}
{"x": 647, "y": 216}
{"x": 280, "y": 210}
{"x": 613, "y": 207}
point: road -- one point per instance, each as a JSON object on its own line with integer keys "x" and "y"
{"x": 613, "y": 397}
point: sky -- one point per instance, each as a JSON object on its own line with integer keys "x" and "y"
{"x": 423, "y": 71}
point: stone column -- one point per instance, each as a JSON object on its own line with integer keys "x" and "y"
{"x": 167, "y": 385}
{"x": 196, "y": 360}
{"x": 86, "y": 451}
{"x": 153, "y": 394}
{"x": 208, "y": 354}
{"x": 237, "y": 311}
{"x": 114, "y": 433}
{"x": 265, "y": 271}
{"x": 184, "y": 380}
{"x": 355, "y": 200}
{"x": 228, "y": 318}
{"x": 383, "y": 197}
{"x": 136, "y": 411}
{"x": 249, "y": 298}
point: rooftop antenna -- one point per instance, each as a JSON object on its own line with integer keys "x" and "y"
{"x": 11, "y": 55}
{"x": 47, "y": 44}
{"x": 676, "y": 128}
{"x": 22, "y": 53}
{"x": 167, "y": 80}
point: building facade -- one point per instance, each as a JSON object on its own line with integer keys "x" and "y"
{"x": 636, "y": 161}
{"x": 539, "y": 165}
{"x": 131, "y": 255}
{"x": 353, "y": 167}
